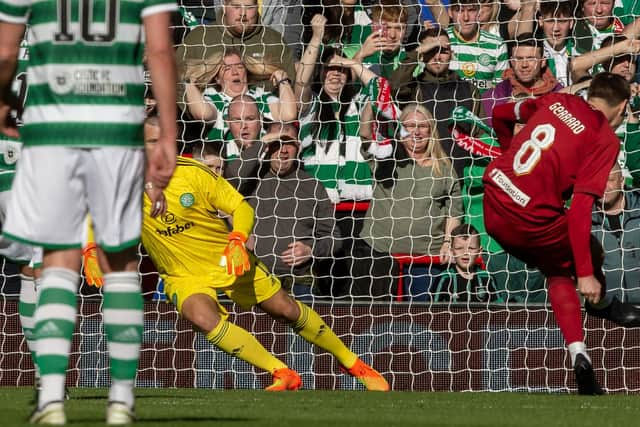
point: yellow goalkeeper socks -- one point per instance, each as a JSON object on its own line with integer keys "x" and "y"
{"x": 312, "y": 328}
{"x": 237, "y": 342}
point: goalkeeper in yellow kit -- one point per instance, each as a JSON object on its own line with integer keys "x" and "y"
{"x": 197, "y": 257}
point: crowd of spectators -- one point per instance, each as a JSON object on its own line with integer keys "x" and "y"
{"x": 344, "y": 122}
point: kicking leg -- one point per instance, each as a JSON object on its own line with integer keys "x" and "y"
{"x": 310, "y": 326}
{"x": 566, "y": 308}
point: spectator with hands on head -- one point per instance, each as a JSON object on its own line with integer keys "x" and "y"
{"x": 212, "y": 84}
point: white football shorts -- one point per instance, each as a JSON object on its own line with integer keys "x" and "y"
{"x": 16, "y": 252}
{"x": 55, "y": 187}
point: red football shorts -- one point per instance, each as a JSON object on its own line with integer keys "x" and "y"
{"x": 546, "y": 247}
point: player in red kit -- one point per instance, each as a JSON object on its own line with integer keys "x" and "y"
{"x": 565, "y": 150}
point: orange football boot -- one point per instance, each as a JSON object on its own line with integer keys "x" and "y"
{"x": 368, "y": 377}
{"x": 285, "y": 379}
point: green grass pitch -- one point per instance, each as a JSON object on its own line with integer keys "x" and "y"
{"x": 239, "y": 408}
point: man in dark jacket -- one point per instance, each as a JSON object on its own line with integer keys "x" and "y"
{"x": 425, "y": 77}
{"x": 294, "y": 229}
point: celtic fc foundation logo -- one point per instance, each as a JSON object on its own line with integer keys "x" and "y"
{"x": 187, "y": 200}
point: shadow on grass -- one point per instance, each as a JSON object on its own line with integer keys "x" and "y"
{"x": 97, "y": 397}
{"x": 167, "y": 420}
{"x": 138, "y": 397}
{"x": 193, "y": 419}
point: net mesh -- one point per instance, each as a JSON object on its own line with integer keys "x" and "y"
{"x": 387, "y": 311}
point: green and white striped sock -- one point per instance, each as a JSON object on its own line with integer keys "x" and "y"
{"x": 123, "y": 323}
{"x": 27, "y": 311}
{"x": 55, "y": 322}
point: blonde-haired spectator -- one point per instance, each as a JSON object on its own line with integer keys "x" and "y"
{"x": 416, "y": 203}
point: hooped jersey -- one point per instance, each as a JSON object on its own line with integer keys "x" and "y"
{"x": 10, "y": 147}
{"x": 86, "y": 81}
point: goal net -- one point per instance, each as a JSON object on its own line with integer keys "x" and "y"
{"x": 381, "y": 285}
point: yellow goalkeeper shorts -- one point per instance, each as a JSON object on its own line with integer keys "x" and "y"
{"x": 252, "y": 288}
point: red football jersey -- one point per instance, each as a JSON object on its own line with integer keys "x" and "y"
{"x": 565, "y": 147}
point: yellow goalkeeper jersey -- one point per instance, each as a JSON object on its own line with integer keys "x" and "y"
{"x": 187, "y": 241}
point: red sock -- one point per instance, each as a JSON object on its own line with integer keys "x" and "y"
{"x": 566, "y": 308}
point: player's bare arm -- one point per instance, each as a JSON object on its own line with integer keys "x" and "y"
{"x": 162, "y": 65}
{"x": 10, "y": 37}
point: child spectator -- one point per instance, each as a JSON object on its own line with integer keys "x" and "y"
{"x": 465, "y": 281}
{"x": 556, "y": 21}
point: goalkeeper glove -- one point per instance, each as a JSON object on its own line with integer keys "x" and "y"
{"x": 92, "y": 272}
{"x": 236, "y": 255}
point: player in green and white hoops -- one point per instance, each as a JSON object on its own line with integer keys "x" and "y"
{"x": 83, "y": 153}
{"x": 26, "y": 257}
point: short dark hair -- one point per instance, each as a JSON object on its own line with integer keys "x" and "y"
{"x": 206, "y": 148}
{"x": 457, "y": 4}
{"x": 464, "y": 230}
{"x": 526, "y": 39}
{"x": 557, "y": 9}
{"x": 434, "y": 32}
{"x": 610, "y": 87}
{"x": 274, "y": 144}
